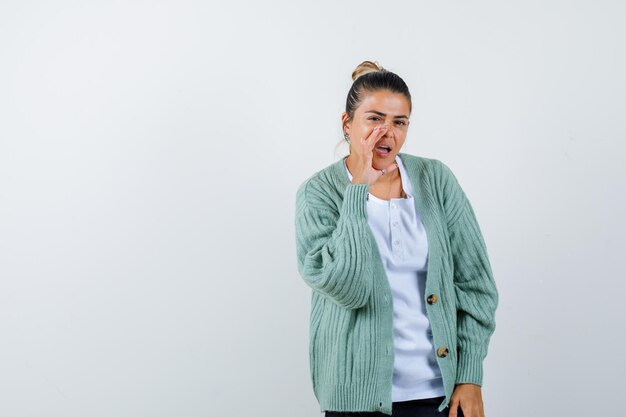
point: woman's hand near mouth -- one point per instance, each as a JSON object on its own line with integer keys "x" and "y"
{"x": 364, "y": 172}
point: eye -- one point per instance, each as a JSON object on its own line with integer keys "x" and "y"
{"x": 374, "y": 118}
{"x": 401, "y": 123}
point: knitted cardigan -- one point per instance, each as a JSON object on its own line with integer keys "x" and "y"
{"x": 351, "y": 351}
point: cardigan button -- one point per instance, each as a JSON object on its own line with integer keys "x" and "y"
{"x": 432, "y": 299}
{"x": 442, "y": 352}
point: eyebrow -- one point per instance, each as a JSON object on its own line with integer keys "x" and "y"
{"x": 383, "y": 114}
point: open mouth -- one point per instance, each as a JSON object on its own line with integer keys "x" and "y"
{"x": 383, "y": 150}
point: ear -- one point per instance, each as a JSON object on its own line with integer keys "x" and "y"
{"x": 345, "y": 123}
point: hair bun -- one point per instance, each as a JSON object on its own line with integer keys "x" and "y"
{"x": 366, "y": 67}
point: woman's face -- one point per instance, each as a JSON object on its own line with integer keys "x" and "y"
{"x": 380, "y": 108}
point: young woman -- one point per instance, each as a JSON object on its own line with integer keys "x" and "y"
{"x": 403, "y": 298}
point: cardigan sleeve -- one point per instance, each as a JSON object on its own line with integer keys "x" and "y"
{"x": 475, "y": 288}
{"x": 332, "y": 247}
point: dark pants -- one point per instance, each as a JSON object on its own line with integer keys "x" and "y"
{"x": 426, "y": 407}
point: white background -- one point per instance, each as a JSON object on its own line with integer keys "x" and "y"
{"x": 149, "y": 157}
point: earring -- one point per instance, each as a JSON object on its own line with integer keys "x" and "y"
{"x": 347, "y": 137}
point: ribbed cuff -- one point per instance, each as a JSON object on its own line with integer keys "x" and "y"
{"x": 469, "y": 370}
{"x": 355, "y": 200}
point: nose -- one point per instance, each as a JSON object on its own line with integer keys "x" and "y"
{"x": 389, "y": 128}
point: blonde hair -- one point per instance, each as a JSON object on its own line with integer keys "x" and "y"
{"x": 366, "y": 67}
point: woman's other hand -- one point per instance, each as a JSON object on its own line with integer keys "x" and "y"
{"x": 364, "y": 172}
{"x": 469, "y": 398}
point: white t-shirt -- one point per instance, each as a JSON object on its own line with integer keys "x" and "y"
{"x": 403, "y": 245}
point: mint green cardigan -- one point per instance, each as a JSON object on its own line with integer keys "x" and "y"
{"x": 351, "y": 348}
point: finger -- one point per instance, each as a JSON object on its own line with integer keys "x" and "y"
{"x": 391, "y": 167}
{"x": 471, "y": 411}
{"x": 365, "y": 139}
{"x": 453, "y": 409}
{"x": 374, "y": 135}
